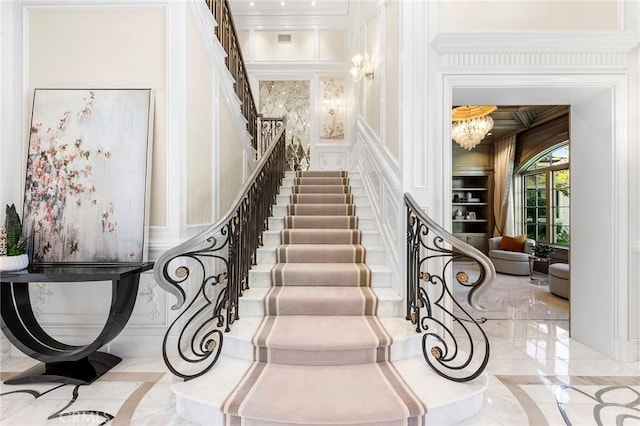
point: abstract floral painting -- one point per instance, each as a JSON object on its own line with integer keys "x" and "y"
{"x": 87, "y": 168}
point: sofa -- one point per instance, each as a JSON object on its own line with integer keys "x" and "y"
{"x": 507, "y": 259}
{"x": 559, "y": 283}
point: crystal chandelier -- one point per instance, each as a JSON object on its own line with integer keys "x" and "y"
{"x": 471, "y": 123}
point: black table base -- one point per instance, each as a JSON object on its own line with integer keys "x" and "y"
{"x": 82, "y": 372}
{"x": 63, "y": 363}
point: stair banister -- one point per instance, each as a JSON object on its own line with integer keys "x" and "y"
{"x": 228, "y": 38}
{"x": 430, "y": 303}
{"x": 212, "y": 268}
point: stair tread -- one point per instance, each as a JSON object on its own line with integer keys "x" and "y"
{"x": 397, "y": 327}
{"x": 274, "y": 247}
{"x": 320, "y": 300}
{"x": 267, "y": 267}
{"x": 321, "y": 253}
{"x": 329, "y": 400}
{"x": 383, "y": 293}
{"x": 360, "y": 217}
{"x": 318, "y": 333}
{"x": 201, "y": 399}
{"x": 363, "y": 231}
{"x": 321, "y": 274}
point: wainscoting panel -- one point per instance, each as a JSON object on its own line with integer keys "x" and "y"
{"x": 392, "y": 212}
{"x": 75, "y": 313}
{"x": 381, "y": 179}
{"x": 329, "y": 156}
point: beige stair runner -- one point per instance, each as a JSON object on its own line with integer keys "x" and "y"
{"x": 321, "y": 354}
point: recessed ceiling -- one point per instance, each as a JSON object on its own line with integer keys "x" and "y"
{"x": 289, "y": 7}
{"x": 511, "y": 120}
{"x": 289, "y": 12}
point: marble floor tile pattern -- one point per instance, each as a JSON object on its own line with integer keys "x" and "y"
{"x": 537, "y": 376}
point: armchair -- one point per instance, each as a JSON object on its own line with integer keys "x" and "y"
{"x": 510, "y": 262}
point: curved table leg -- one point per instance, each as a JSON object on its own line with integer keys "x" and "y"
{"x": 63, "y": 363}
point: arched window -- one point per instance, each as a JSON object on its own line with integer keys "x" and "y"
{"x": 546, "y": 189}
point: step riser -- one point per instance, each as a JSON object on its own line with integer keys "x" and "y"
{"x": 355, "y": 190}
{"x": 243, "y": 348}
{"x": 268, "y": 256}
{"x": 289, "y": 180}
{"x": 262, "y": 279}
{"x": 272, "y": 238}
{"x": 281, "y": 210}
{"x": 386, "y": 308}
{"x": 322, "y": 358}
{"x": 296, "y": 253}
{"x": 320, "y": 222}
{"x": 364, "y": 224}
{"x": 287, "y": 183}
{"x": 358, "y": 199}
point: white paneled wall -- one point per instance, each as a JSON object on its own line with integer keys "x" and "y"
{"x": 381, "y": 179}
{"x": 159, "y": 45}
{"x": 558, "y": 15}
{"x": 596, "y": 74}
{"x": 315, "y": 54}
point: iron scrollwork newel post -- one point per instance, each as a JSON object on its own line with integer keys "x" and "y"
{"x": 211, "y": 270}
{"x": 453, "y": 344}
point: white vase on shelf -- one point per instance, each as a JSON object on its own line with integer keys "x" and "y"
{"x": 13, "y": 263}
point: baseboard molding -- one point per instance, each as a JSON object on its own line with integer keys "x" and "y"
{"x": 627, "y": 350}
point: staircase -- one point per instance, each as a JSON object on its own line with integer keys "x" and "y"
{"x": 322, "y": 340}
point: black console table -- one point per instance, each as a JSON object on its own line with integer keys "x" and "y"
{"x": 61, "y": 362}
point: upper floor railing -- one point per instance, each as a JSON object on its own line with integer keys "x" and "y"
{"x": 226, "y": 33}
{"x": 210, "y": 271}
{"x": 454, "y": 344}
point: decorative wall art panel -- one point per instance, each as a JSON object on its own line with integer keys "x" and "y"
{"x": 87, "y": 174}
{"x": 332, "y": 108}
{"x": 290, "y": 99}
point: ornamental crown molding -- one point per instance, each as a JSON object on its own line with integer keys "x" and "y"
{"x": 538, "y": 42}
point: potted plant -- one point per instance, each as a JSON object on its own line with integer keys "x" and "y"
{"x": 542, "y": 250}
{"x": 13, "y": 246}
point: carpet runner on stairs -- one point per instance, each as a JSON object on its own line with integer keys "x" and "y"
{"x": 321, "y": 354}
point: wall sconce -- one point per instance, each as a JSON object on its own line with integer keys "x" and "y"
{"x": 361, "y": 68}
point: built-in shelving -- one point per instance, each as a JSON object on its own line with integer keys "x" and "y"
{"x": 471, "y": 207}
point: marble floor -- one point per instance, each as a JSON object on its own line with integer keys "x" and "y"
{"x": 537, "y": 375}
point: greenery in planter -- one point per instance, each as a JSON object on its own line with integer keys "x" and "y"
{"x": 11, "y": 241}
{"x": 542, "y": 250}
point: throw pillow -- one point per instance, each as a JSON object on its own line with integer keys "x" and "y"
{"x": 513, "y": 243}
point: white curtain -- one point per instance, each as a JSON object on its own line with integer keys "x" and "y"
{"x": 505, "y": 151}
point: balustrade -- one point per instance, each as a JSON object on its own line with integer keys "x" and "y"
{"x": 211, "y": 270}
{"x": 226, "y": 34}
{"x": 454, "y": 344}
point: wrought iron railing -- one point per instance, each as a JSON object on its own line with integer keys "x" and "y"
{"x": 228, "y": 37}
{"x": 211, "y": 270}
{"x": 454, "y": 344}
{"x": 269, "y": 128}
